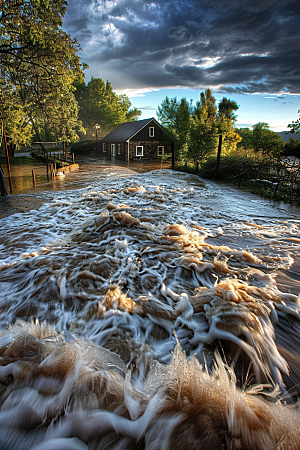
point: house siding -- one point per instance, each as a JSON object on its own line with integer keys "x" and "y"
{"x": 141, "y": 138}
{"x": 149, "y": 149}
{"x": 143, "y": 134}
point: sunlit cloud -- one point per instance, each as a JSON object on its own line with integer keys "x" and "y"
{"x": 243, "y": 48}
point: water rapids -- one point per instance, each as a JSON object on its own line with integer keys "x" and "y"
{"x": 150, "y": 311}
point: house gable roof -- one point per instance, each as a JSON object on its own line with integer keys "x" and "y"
{"x": 127, "y": 130}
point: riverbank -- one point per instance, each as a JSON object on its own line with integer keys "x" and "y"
{"x": 20, "y": 159}
{"x": 277, "y": 181}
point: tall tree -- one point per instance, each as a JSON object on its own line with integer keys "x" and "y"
{"x": 226, "y": 122}
{"x": 202, "y": 133}
{"x": 195, "y": 129}
{"x": 38, "y": 63}
{"x": 167, "y": 113}
{"x": 269, "y": 143}
{"x": 100, "y": 105}
{"x": 202, "y": 139}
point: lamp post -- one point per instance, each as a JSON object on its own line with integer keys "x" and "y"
{"x": 97, "y": 128}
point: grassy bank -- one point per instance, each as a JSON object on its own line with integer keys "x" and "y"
{"x": 268, "y": 179}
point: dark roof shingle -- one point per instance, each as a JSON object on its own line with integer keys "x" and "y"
{"x": 125, "y": 131}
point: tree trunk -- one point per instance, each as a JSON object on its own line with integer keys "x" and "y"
{"x": 38, "y": 136}
{"x": 219, "y": 155}
{"x": 11, "y": 149}
{"x": 3, "y": 188}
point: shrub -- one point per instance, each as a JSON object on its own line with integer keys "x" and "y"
{"x": 83, "y": 146}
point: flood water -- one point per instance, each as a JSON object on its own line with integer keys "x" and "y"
{"x": 147, "y": 310}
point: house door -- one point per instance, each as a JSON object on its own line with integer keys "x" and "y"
{"x": 113, "y": 149}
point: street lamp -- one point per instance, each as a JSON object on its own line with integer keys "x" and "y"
{"x": 97, "y": 128}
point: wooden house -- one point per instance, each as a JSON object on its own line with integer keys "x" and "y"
{"x": 143, "y": 139}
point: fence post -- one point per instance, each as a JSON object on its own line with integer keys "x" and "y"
{"x": 33, "y": 178}
{"x": 173, "y": 154}
{"x": 276, "y": 189}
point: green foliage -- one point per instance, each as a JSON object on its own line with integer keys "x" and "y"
{"x": 13, "y": 116}
{"x": 246, "y": 139}
{"x": 195, "y": 130}
{"x": 206, "y": 108}
{"x": 292, "y": 148}
{"x": 82, "y": 146}
{"x": 225, "y": 123}
{"x": 266, "y": 141}
{"x": 167, "y": 113}
{"x": 203, "y": 128}
{"x": 262, "y": 140}
{"x": 231, "y": 167}
{"x": 295, "y": 125}
{"x": 100, "y": 105}
{"x": 202, "y": 139}
{"x": 38, "y": 64}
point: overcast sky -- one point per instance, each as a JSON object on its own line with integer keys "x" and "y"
{"x": 246, "y": 50}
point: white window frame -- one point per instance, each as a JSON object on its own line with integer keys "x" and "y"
{"x": 151, "y": 131}
{"x": 119, "y": 149}
{"x": 113, "y": 149}
{"x": 162, "y": 151}
{"x": 139, "y": 152}
{"x": 104, "y": 147}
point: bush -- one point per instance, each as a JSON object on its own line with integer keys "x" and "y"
{"x": 82, "y": 146}
{"x": 231, "y": 166}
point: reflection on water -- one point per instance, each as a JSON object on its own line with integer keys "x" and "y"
{"x": 149, "y": 311}
{"x": 89, "y": 168}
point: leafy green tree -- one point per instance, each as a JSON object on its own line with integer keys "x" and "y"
{"x": 195, "y": 129}
{"x": 202, "y": 133}
{"x": 292, "y": 148}
{"x": 167, "y": 113}
{"x": 100, "y": 105}
{"x": 13, "y": 118}
{"x": 228, "y": 138}
{"x": 206, "y": 108}
{"x": 295, "y": 125}
{"x": 182, "y": 126}
{"x": 184, "y": 122}
{"x": 38, "y": 63}
{"x": 266, "y": 141}
{"x": 202, "y": 139}
{"x": 246, "y": 136}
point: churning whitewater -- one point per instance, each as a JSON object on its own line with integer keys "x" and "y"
{"x": 152, "y": 311}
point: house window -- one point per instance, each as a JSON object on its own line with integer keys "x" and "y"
{"x": 119, "y": 149}
{"x": 160, "y": 150}
{"x": 151, "y": 131}
{"x": 104, "y": 148}
{"x": 113, "y": 149}
{"x": 139, "y": 150}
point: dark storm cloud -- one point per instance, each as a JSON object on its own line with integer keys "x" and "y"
{"x": 239, "y": 46}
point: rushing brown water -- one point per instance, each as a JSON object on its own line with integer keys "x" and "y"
{"x": 149, "y": 311}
